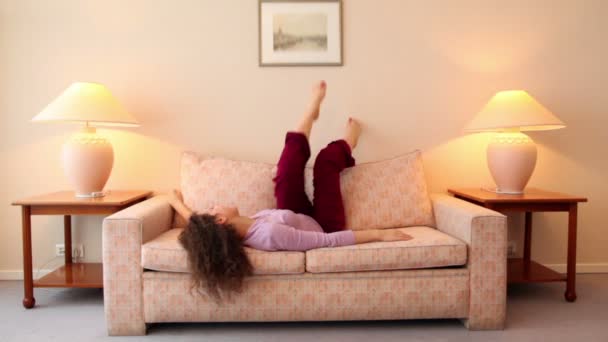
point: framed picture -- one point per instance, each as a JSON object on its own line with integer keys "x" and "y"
{"x": 300, "y": 32}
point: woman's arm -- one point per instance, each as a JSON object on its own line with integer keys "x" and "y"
{"x": 176, "y": 201}
{"x": 363, "y": 236}
{"x": 283, "y": 237}
{"x": 372, "y": 235}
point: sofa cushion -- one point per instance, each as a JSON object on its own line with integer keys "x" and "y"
{"x": 206, "y": 182}
{"x": 165, "y": 253}
{"x": 428, "y": 248}
{"x": 385, "y": 194}
{"x": 389, "y": 193}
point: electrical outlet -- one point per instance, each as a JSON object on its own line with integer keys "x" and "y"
{"x": 77, "y": 251}
{"x": 59, "y": 249}
{"x": 511, "y": 249}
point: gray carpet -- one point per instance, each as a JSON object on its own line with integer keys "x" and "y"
{"x": 536, "y": 312}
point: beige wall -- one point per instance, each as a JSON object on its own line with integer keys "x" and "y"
{"x": 415, "y": 72}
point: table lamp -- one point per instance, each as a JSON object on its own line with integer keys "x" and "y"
{"x": 87, "y": 157}
{"x": 511, "y": 154}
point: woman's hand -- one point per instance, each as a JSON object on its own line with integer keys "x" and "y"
{"x": 373, "y": 235}
{"x": 176, "y": 200}
{"x": 175, "y": 197}
{"x": 394, "y": 235}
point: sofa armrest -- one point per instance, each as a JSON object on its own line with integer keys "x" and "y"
{"x": 123, "y": 234}
{"x": 485, "y": 232}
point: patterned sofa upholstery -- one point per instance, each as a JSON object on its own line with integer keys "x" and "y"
{"x": 455, "y": 267}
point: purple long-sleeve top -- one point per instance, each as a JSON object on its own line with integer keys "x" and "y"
{"x": 279, "y": 229}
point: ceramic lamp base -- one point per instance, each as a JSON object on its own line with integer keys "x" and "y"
{"x": 511, "y": 160}
{"x": 87, "y": 162}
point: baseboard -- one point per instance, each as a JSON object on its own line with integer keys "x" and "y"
{"x": 581, "y": 267}
{"x": 561, "y": 268}
{"x": 18, "y": 275}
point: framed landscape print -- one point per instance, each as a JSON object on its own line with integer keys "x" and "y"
{"x": 300, "y": 32}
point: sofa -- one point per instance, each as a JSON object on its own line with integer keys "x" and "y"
{"x": 454, "y": 267}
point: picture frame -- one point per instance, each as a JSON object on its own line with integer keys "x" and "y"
{"x": 300, "y": 33}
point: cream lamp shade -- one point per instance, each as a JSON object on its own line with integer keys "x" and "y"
{"x": 511, "y": 154}
{"x": 87, "y": 157}
{"x": 87, "y": 102}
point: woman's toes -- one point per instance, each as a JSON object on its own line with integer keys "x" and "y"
{"x": 319, "y": 90}
{"x": 353, "y": 130}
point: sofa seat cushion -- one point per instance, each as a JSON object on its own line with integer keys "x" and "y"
{"x": 428, "y": 248}
{"x": 165, "y": 253}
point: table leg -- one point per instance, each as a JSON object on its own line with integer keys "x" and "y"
{"x": 527, "y": 242}
{"x": 28, "y": 282}
{"x": 528, "y": 237}
{"x": 67, "y": 238}
{"x": 571, "y": 269}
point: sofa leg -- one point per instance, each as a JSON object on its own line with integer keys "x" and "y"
{"x": 477, "y": 324}
{"x": 127, "y": 330}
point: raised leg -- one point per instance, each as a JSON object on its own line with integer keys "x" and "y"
{"x": 327, "y": 202}
{"x": 289, "y": 181}
{"x": 28, "y": 282}
{"x": 570, "y": 294}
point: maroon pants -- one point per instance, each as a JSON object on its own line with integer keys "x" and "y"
{"x": 327, "y": 208}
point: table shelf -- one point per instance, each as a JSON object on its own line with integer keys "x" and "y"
{"x": 520, "y": 271}
{"x": 79, "y": 275}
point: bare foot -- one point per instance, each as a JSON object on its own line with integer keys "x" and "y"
{"x": 318, "y": 94}
{"x": 312, "y": 113}
{"x": 353, "y": 130}
{"x": 394, "y": 235}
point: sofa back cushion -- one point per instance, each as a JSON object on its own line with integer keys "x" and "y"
{"x": 389, "y": 193}
{"x": 206, "y": 182}
{"x": 385, "y": 194}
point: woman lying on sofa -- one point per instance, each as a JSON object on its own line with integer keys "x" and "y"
{"x": 214, "y": 241}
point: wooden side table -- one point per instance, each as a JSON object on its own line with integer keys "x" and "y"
{"x": 524, "y": 270}
{"x": 83, "y": 275}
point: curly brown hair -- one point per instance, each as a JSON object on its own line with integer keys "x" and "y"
{"x": 217, "y": 258}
